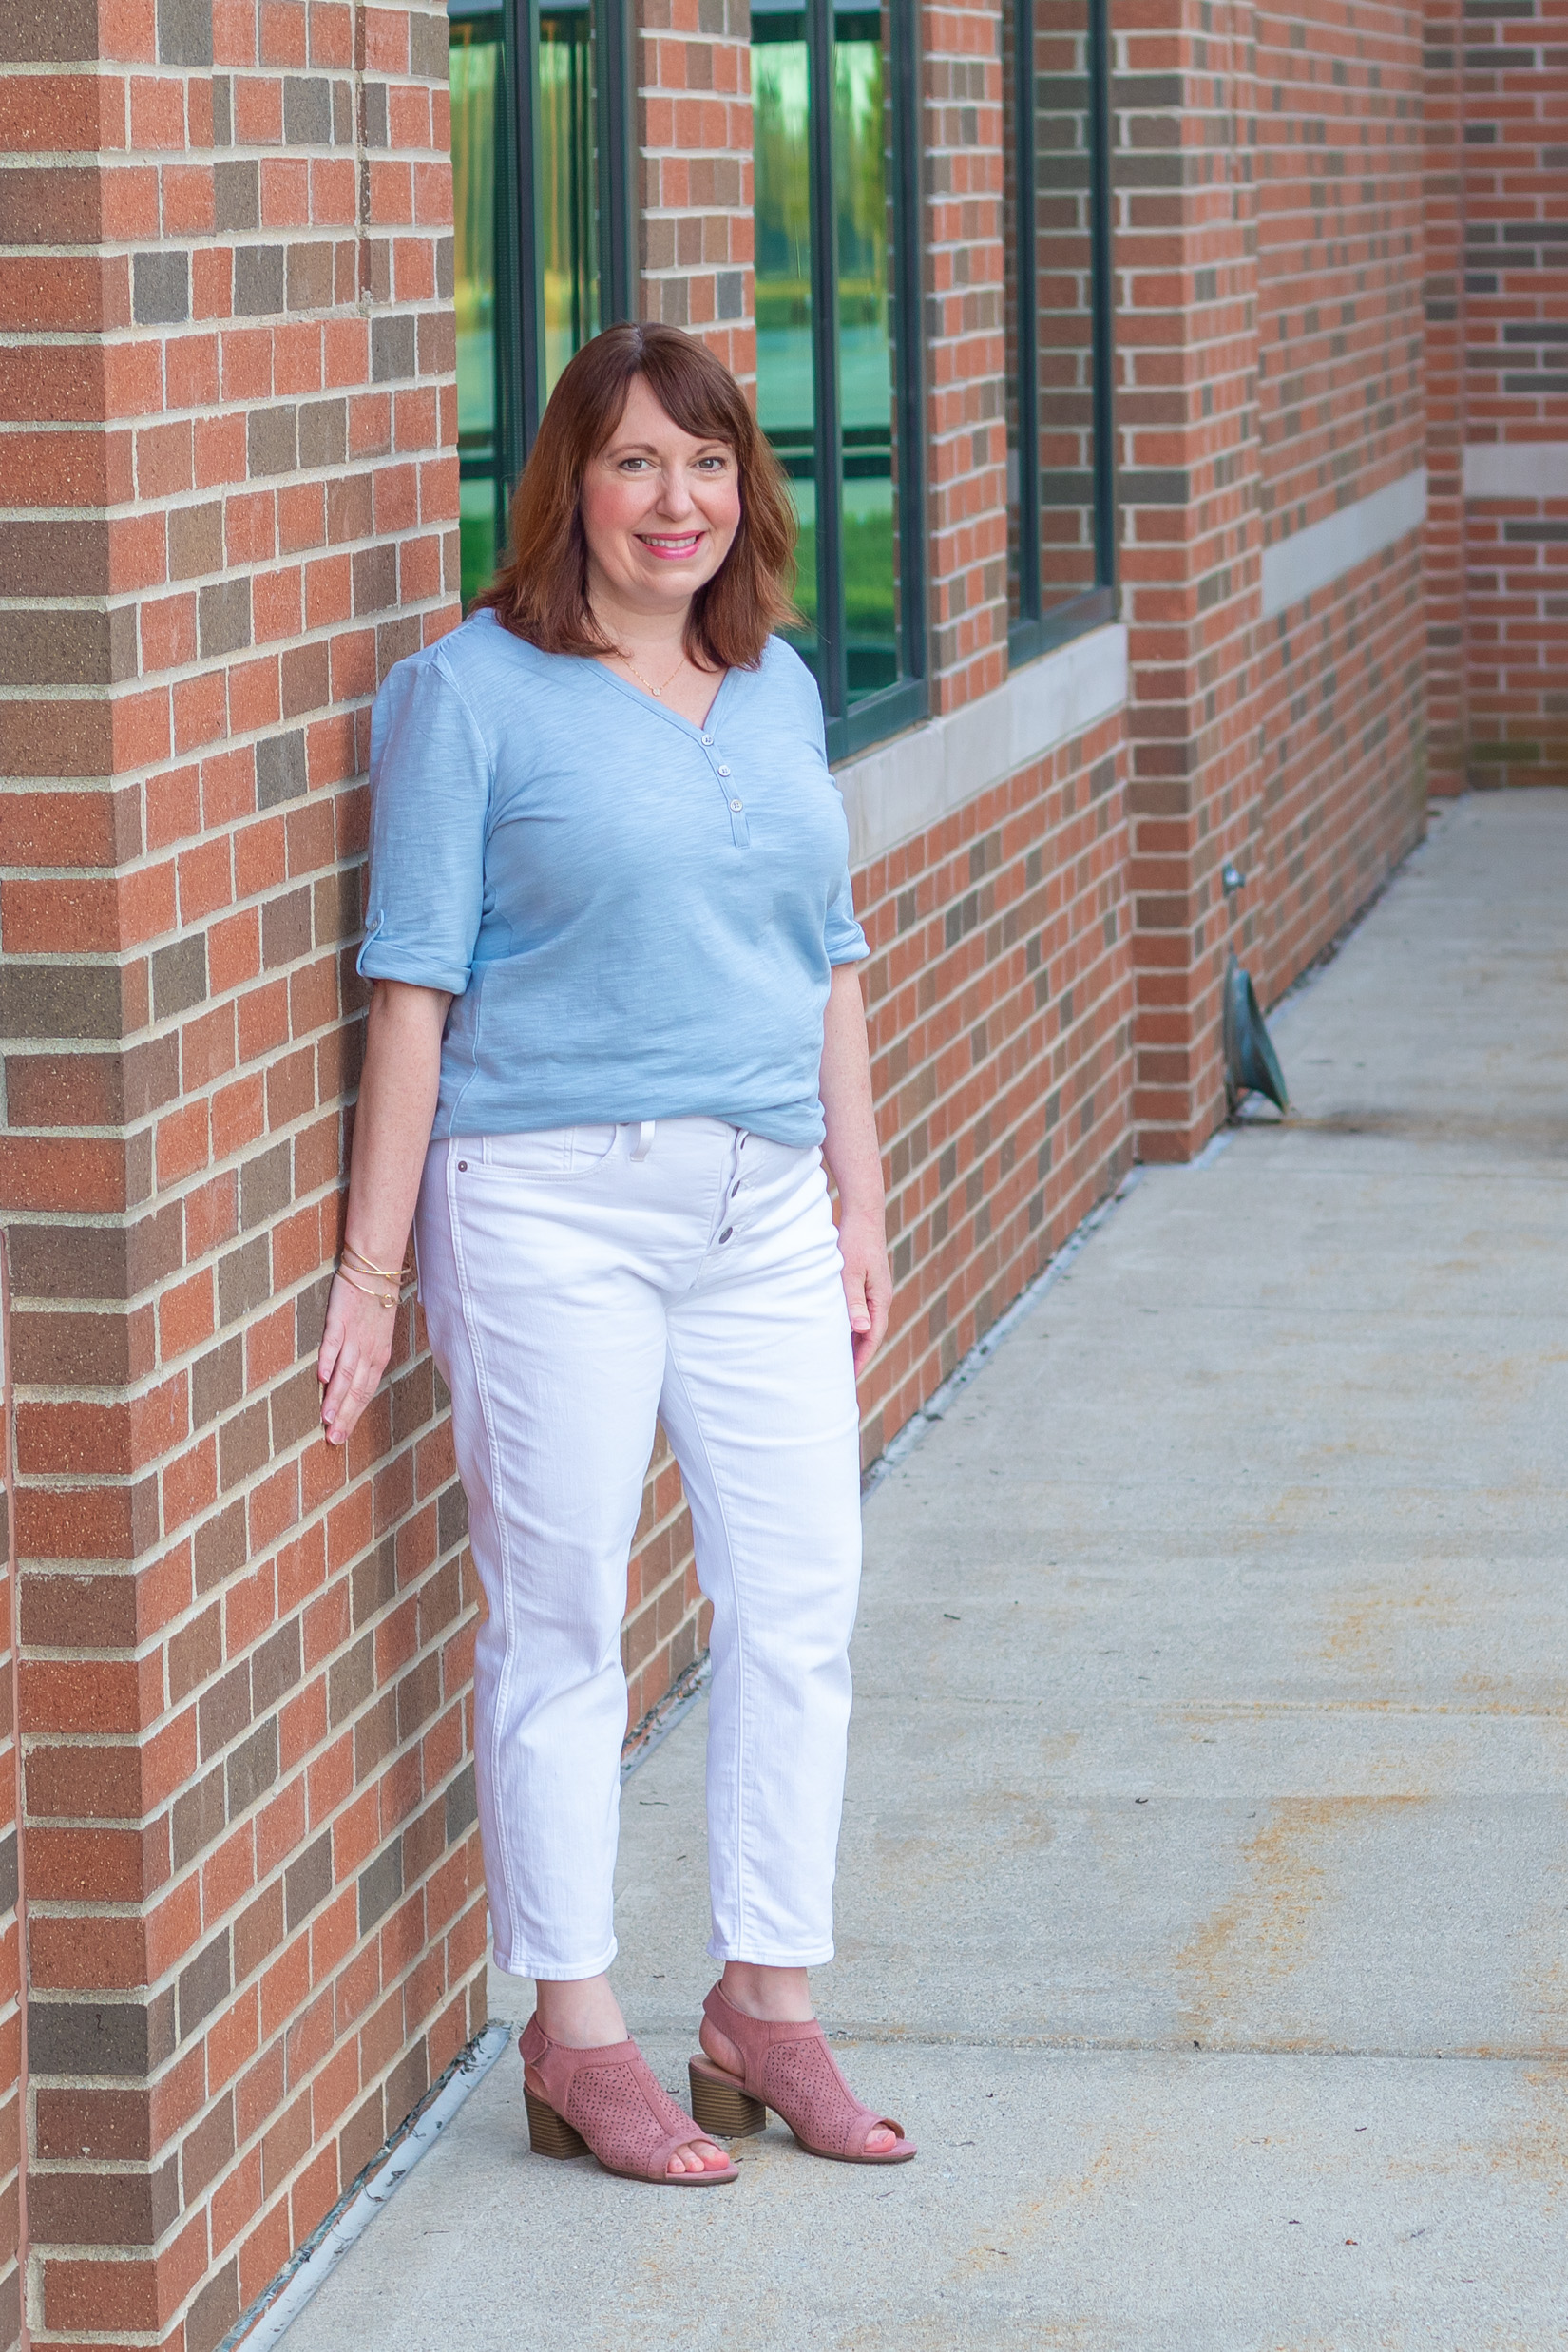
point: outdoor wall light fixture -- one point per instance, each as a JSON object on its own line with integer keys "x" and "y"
{"x": 1251, "y": 1066}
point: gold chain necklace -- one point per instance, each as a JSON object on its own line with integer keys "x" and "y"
{"x": 646, "y": 683}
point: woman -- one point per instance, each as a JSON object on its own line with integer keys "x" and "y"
{"x": 615, "y": 1029}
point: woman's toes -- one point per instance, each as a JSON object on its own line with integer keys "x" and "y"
{"x": 878, "y": 2141}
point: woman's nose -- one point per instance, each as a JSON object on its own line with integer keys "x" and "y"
{"x": 675, "y": 495}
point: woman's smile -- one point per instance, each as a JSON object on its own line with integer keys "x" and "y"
{"x": 672, "y": 546}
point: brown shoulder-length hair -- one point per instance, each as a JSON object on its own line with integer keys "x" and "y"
{"x": 542, "y": 592}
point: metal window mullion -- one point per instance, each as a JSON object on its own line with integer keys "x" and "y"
{"x": 832, "y": 651}
{"x": 908, "y": 295}
{"x": 615, "y": 109}
{"x": 1027, "y": 269}
{"x": 1101, "y": 294}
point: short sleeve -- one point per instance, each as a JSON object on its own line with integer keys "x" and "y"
{"x": 430, "y": 802}
{"x": 845, "y": 940}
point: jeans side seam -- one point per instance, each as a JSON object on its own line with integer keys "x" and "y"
{"x": 741, "y": 1652}
{"x": 487, "y": 1421}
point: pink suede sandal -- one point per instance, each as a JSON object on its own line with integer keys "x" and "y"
{"x": 607, "y": 2103}
{"x": 791, "y": 2069}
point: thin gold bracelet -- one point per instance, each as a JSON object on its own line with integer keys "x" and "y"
{"x": 366, "y": 1265}
{"x": 382, "y": 1298}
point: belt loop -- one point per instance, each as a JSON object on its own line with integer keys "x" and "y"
{"x": 644, "y": 1138}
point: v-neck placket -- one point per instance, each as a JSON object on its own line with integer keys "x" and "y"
{"x": 705, "y": 739}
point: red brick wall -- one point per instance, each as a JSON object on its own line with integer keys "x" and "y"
{"x": 694, "y": 136}
{"x": 1499, "y": 328}
{"x": 12, "y": 2068}
{"x": 1340, "y": 748}
{"x": 1268, "y": 246}
{"x": 999, "y": 1002}
{"x": 254, "y": 1929}
{"x": 1186, "y": 261}
{"x": 1447, "y": 722}
{"x": 966, "y": 428}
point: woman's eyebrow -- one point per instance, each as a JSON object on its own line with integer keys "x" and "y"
{"x": 647, "y": 448}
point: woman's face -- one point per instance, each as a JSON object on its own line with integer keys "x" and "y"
{"x": 659, "y": 510}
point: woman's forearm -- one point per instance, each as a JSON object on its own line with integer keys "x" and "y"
{"x": 855, "y": 1161}
{"x": 850, "y": 1148}
{"x": 391, "y": 1131}
{"x": 391, "y": 1125}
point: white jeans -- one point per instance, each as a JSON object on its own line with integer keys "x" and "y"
{"x": 578, "y": 1282}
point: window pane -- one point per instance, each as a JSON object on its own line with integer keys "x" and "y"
{"x": 861, "y": 178}
{"x": 476, "y": 94}
{"x": 786, "y": 397}
{"x": 1064, "y": 299}
{"x": 569, "y": 234}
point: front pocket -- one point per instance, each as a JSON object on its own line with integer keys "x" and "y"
{"x": 537, "y": 1155}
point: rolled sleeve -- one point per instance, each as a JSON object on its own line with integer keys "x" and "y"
{"x": 429, "y": 805}
{"x": 845, "y": 940}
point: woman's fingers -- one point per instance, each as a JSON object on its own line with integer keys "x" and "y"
{"x": 356, "y": 1347}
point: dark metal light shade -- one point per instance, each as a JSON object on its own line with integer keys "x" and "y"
{"x": 1251, "y": 1065}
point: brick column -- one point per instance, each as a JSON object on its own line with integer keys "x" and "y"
{"x": 12, "y": 1926}
{"x": 965, "y": 350}
{"x": 1186, "y": 265}
{"x": 1447, "y": 718}
{"x": 1514, "y": 415}
{"x": 256, "y": 1930}
{"x": 695, "y": 134}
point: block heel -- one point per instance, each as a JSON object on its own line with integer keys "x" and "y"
{"x": 720, "y": 2107}
{"x": 622, "y": 2113}
{"x": 790, "y": 2069}
{"x": 550, "y": 2135}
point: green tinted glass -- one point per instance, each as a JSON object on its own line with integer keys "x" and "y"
{"x": 786, "y": 398}
{"x": 787, "y": 405}
{"x": 865, "y": 355}
{"x": 476, "y": 95}
{"x": 568, "y": 224}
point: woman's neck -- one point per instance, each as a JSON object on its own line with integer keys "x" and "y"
{"x": 659, "y": 636}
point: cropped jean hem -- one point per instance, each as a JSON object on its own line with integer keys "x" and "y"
{"x": 751, "y": 1958}
{"x": 555, "y": 1972}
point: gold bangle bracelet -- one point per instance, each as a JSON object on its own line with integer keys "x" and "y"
{"x": 366, "y": 1265}
{"x": 382, "y": 1298}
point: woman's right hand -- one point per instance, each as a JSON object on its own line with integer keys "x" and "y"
{"x": 356, "y": 1350}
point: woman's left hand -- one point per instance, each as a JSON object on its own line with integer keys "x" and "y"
{"x": 868, "y": 1280}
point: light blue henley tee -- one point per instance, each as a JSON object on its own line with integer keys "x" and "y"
{"x": 635, "y": 917}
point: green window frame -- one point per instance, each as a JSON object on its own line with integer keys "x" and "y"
{"x": 836, "y": 148}
{"x": 545, "y": 251}
{"x": 1060, "y": 317}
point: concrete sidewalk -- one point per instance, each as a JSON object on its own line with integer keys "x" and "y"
{"x": 1204, "y": 1888}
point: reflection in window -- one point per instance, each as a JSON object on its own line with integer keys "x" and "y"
{"x": 1061, "y": 510}
{"x": 476, "y": 91}
{"x": 568, "y": 219}
{"x": 865, "y": 355}
{"x": 828, "y": 395}
{"x": 535, "y": 247}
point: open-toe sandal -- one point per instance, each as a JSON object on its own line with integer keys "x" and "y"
{"x": 607, "y": 2103}
{"x": 791, "y": 2069}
